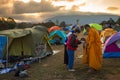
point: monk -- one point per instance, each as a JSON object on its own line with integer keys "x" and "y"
{"x": 92, "y": 51}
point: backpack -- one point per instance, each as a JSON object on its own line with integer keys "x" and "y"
{"x": 70, "y": 45}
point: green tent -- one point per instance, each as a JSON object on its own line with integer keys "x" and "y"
{"x": 94, "y": 25}
{"x": 28, "y": 42}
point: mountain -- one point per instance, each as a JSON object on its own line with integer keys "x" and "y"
{"x": 84, "y": 18}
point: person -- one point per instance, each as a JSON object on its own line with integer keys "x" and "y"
{"x": 65, "y": 48}
{"x": 92, "y": 54}
{"x": 72, "y": 44}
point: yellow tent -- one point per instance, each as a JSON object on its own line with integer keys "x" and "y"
{"x": 105, "y": 34}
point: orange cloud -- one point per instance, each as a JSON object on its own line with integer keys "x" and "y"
{"x": 112, "y": 8}
{"x": 70, "y": 0}
{"x": 83, "y": 4}
{"x": 6, "y": 6}
{"x": 74, "y": 7}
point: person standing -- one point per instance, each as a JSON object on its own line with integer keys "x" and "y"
{"x": 92, "y": 54}
{"x": 72, "y": 44}
{"x": 65, "y": 46}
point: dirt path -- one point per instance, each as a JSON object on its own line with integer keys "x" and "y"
{"x": 52, "y": 68}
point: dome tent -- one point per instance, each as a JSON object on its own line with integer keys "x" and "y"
{"x": 111, "y": 47}
{"x": 28, "y": 42}
{"x": 57, "y": 34}
{"x": 106, "y": 33}
{"x": 53, "y": 28}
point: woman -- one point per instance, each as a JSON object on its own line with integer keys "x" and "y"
{"x": 72, "y": 44}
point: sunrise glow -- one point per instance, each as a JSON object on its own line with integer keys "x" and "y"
{"x": 38, "y": 1}
{"x": 31, "y": 14}
{"x": 27, "y": 1}
{"x": 91, "y": 9}
{"x": 67, "y": 4}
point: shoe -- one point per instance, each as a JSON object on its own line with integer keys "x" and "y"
{"x": 71, "y": 70}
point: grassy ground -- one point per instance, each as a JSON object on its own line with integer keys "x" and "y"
{"x": 52, "y": 68}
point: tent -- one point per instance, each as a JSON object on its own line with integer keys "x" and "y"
{"x": 53, "y": 28}
{"x": 94, "y": 25}
{"x": 57, "y": 34}
{"x": 3, "y": 41}
{"x": 67, "y": 28}
{"x": 106, "y": 33}
{"x": 41, "y": 42}
{"x": 27, "y": 42}
{"x": 111, "y": 47}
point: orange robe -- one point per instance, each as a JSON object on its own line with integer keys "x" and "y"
{"x": 92, "y": 54}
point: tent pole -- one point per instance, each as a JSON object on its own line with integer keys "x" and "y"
{"x": 7, "y": 54}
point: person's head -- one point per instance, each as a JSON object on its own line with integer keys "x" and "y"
{"x": 109, "y": 26}
{"x": 77, "y": 31}
{"x": 87, "y": 27}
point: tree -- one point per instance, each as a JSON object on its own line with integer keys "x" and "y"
{"x": 77, "y": 21}
{"x": 111, "y": 21}
{"x": 57, "y": 22}
{"x": 11, "y": 23}
{"x": 24, "y": 25}
{"x": 47, "y": 24}
{"x": 118, "y": 21}
{"x": 3, "y": 24}
{"x": 63, "y": 24}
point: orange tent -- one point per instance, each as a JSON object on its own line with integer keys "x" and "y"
{"x": 54, "y": 28}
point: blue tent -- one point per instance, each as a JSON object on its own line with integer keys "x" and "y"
{"x": 3, "y": 41}
{"x": 57, "y": 35}
{"x": 67, "y": 28}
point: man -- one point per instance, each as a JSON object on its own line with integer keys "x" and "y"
{"x": 92, "y": 54}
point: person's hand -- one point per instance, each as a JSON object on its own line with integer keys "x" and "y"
{"x": 83, "y": 40}
{"x": 84, "y": 45}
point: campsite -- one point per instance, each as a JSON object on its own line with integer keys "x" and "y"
{"x": 52, "y": 68}
{"x": 51, "y": 54}
{"x": 59, "y": 39}
{"x": 32, "y": 53}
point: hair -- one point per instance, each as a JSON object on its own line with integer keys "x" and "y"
{"x": 86, "y": 26}
{"x": 109, "y": 26}
{"x": 77, "y": 30}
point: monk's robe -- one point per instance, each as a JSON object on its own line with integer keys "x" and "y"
{"x": 92, "y": 52}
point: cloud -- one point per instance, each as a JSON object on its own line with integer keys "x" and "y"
{"x": 112, "y": 8}
{"x": 6, "y": 6}
{"x": 74, "y": 7}
{"x": 83, "y": 4}
{"x": 33, "y": 7}
{"x": 70, "y": 0}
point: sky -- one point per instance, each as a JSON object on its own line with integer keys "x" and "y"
{"x": 34, "y": 9}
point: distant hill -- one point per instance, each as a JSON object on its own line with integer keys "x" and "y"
{"x": 84, "y": 18}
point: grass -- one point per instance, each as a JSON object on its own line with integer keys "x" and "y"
{"x": 52, "y": 68}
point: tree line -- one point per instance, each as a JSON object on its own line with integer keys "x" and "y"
{"x": 9, "y": 23}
